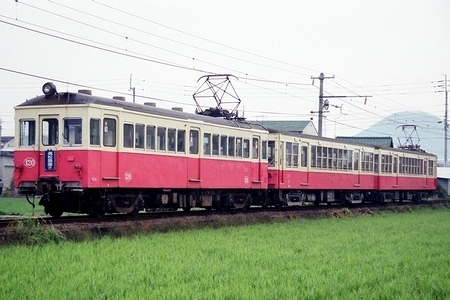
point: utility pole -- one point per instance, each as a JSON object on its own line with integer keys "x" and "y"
{"x": 132, "y": 88}
{"x": 321, "y": 78}
{"x": 446, "y": 120}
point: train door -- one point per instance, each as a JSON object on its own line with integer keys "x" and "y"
{"x": 396, "y": 170}
{"x": 357, "y": 167}
{"x": 304, "y": 166}
{"x": 256, "y": 162}
{"x": 281, "y": 163}
{"x": 110, "y": 153}
{"x": 427, "y": 183}
{"x": 49, "y": 139}
{"x": 193, "y": 162}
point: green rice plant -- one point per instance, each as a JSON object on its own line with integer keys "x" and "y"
{"x": 32, "y": 231}
{"x": 379, "y": 256}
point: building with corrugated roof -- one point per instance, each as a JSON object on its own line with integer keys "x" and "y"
{"x": 385, "y": 142}
{"x": 305, "y": 127}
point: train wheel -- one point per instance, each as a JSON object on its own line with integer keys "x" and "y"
{"x": 97, "y": 212}
{"x": 54, "y": 211}
{"x": 125, "y": 205}
{"x": 242, "y": 201}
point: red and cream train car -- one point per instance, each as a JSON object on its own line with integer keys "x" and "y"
{"x": 309, "y": 168}
{"x": 94, "y": 155}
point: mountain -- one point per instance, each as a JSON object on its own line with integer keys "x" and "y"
{"x": 412, "y": 127}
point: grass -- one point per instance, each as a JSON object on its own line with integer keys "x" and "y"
{"x": 19, "y": 206}
{"x": 384, "y": 256}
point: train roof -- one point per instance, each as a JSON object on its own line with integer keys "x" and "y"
{"x": 86, "y": 99}
{"x": 348, "y": 142}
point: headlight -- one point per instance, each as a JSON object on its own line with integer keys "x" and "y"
{"x": 49, "y": 89}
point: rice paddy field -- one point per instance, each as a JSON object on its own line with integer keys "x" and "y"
{"x": 383, "y": 256}
{"x": 19, "y": 206}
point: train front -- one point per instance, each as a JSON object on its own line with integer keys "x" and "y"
{"x": 49, "y": 151}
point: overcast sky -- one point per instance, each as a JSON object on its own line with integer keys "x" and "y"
{"x": 393, "y": 51}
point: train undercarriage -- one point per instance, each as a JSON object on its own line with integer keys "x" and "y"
{"x": 57, "y": 199}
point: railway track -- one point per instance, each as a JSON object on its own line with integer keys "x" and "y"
{"x": 110, "y": 220}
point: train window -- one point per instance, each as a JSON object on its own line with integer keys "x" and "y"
{"x": 94, "y": 132}
{"x": 181, "y": 138}
{"x": 246, "y": 148}
{"x": 171, "y": 139}
{"x": 271, "y": 154}
{"x": 215, "y": 144}
{"x": 161, "y": 138}
{"x": 313, "y": 156}
{"x": 264, "y": 150}
{"x": 27, "y": 132}
{"x": 207, "y": 144}
{"x": 356, "y": 160}
{"x": 72, "y": 133}
{"x": 350, "y": 159}
{"x": 431, "y": 168}
{"x": 223, "y": 145}
{"x": 109, "y": 132}
{"x": 375, "y": 164}
{"x": 330, "y": 158}
{"x": 295, "y": 155}
{"x": 231, "y": 146}
{"x": 193, "y": 142}
{"x": 339, "y": 159}
{"x": 304, "y": 156}
{"x": 49, "y": 132}
{"x": 255, "y": 148}
{"x": 139, "y": 138}
{"x": 239, "y": 147}
{"x": 128, "y": 135}
{"x": 288, "y": 158}
{"x": 150, "y": 143}
{"x": 367, "y": 162}
{"x": 318, "y": 157}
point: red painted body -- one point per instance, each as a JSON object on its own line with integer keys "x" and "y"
{"x": 107, "y": 169}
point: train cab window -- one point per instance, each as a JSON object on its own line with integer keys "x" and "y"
{"x": 171, "y": 139}
{"x": 231, "y": 146}
{"x": 215, "y": 144}
{"x": 181, "y": 140}
{"x": 255, "y": 148}
{"x": 271, "y": 154}
{"x": 27, "y": 133}
{"x": 139, "y": 137}
{"x": 94, "y": 132}
{"x": 207, "y": 144}
{"x": 239, "y": 147}
{"x": 49, "y": 132}
{"x": 264, "y": 150}
{"x": 304, "y": 156}
{"x": 223, "y": 145}
{"x": 161, "y": 138}
{"x": 246, "y": 148}
{"x": 193, "y": 142}
{"x": 128, "y": 135}
{"x": 150, "y": 136}
{"x": 109, "y": 132}
{"x": 72, "y": 132}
